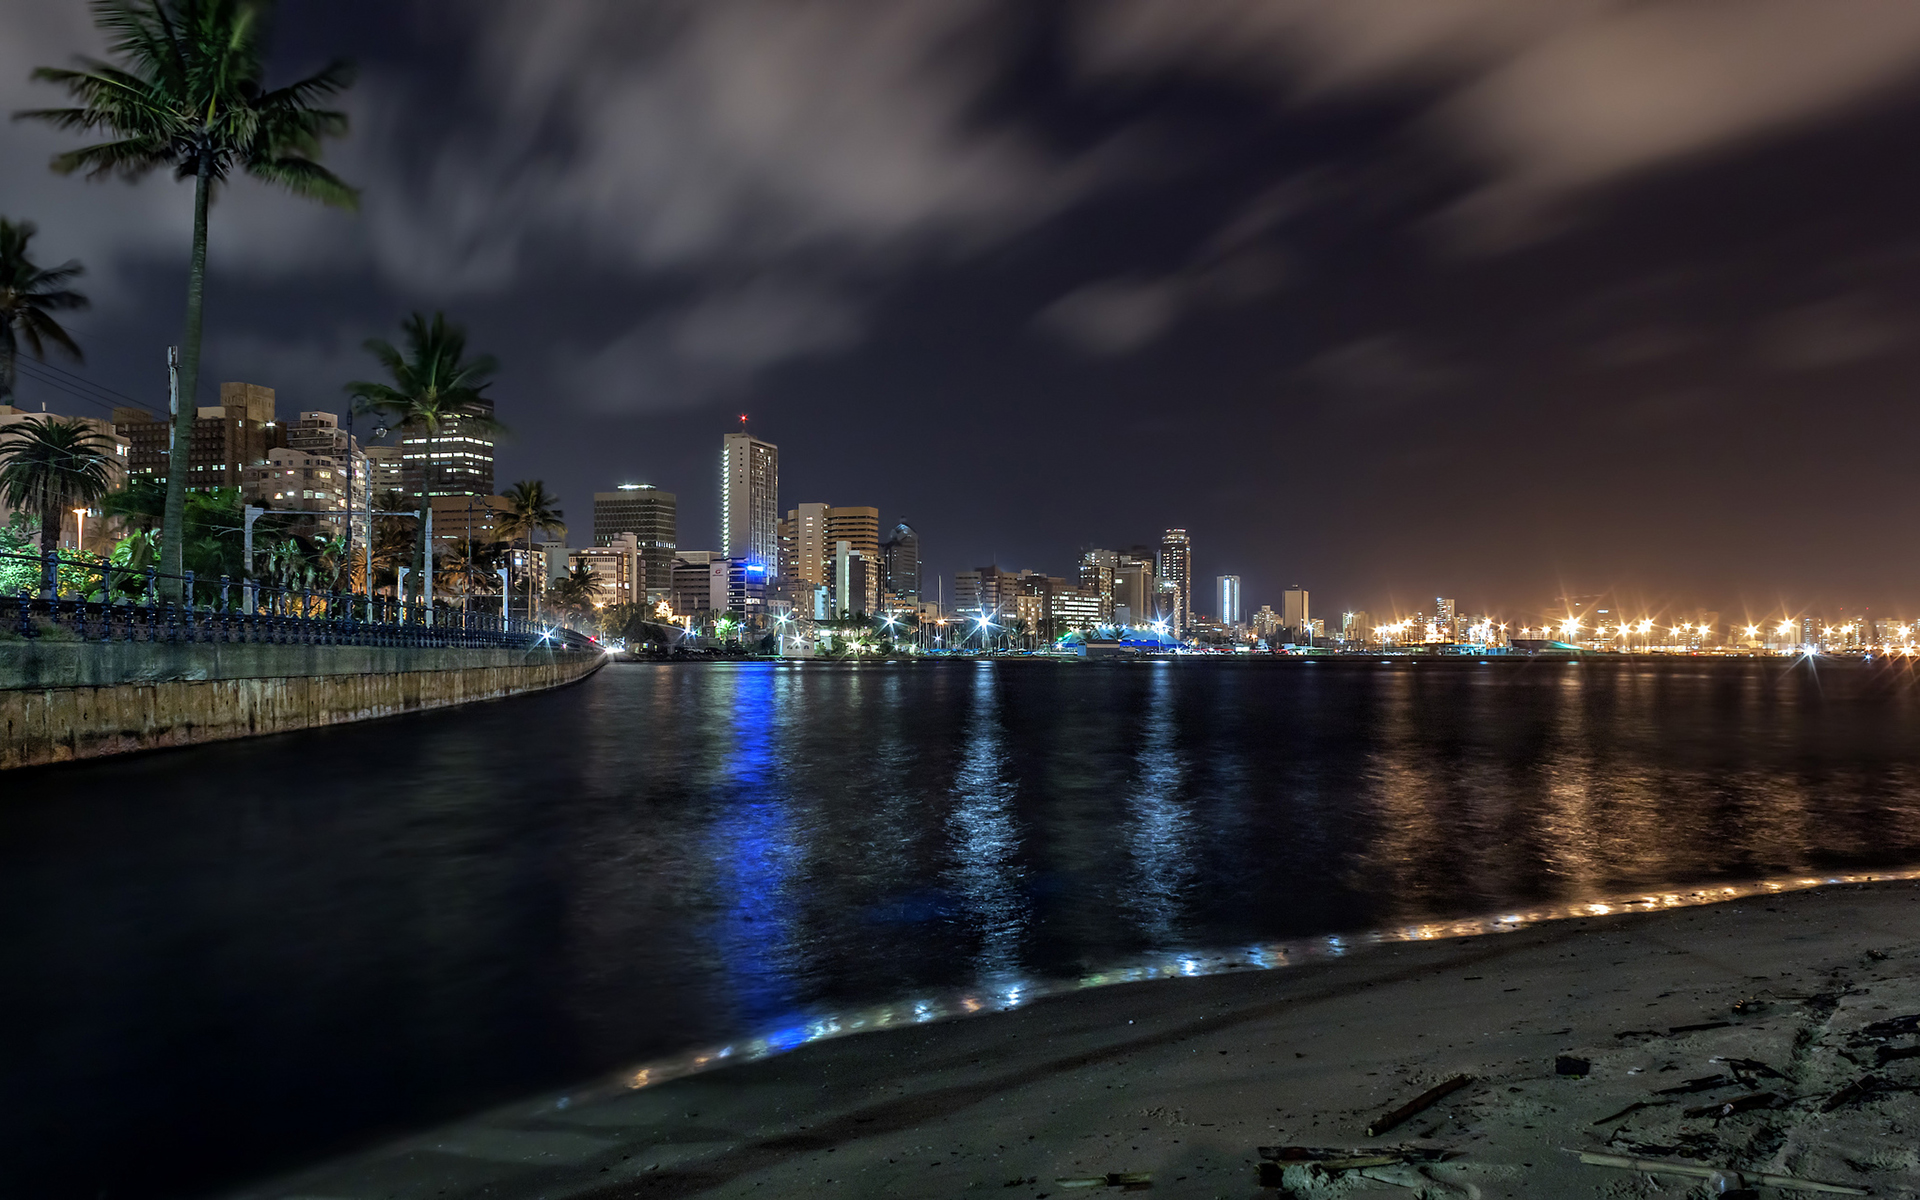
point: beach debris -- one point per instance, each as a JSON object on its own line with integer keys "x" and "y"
{"x": 1893, "y": 1027}
{"x": 1706, "y": 1083}
{"x": 1418, "y": 1104}
{"x": 1738, "y": 1104}
{"x": 1130, "y": 1181}
{"x": 1887, "y": 1054}
{"x": 1335, "y": 1158}
{"x": 1567, "y": 1064}
{"x": 1654, "y": 1166}
{"x": 1696, "y": 1028}
{"x": 1853, "y": 1093}
{"x": 1750, "y": 1066}
{"x": 1630, "y": 1109}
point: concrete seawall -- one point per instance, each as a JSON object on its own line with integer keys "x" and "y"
{"x": 61, "y": 701}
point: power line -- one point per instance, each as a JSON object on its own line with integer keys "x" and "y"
{"x": 102, "y": 388}
{"x": 57, "y": 385}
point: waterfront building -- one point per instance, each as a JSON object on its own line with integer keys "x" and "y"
{"x": 1176, "y": 569}
{"x": 227, "y": 438}
{"x": 690, "y": 585}
{"x": 1136, "y": 588}
{"x": 460, "y": 520}
{"x": 1078, "y": 609}
{"x": 1229, "y": 586}
{"x": 1445, "y": 620}
{"x": 859, "y": 527}
{"x": 652, "y": 517}
{"x": 987, "y": 590}
{"x": 72, "y": 528}
{"x": 618, "y": 567}
{"x": 1293, "y": 609}
{"x": 900, "y": 566}
{"x": 806, "y": 554}
{"x": 852, "y": 580}
{"x": 739, "y": 586}
{"x": 749, "y": 499}
{"x": 1096, "y": 577}
{"x": 1357, "y": 627}
{"x": 1266, "y": 623}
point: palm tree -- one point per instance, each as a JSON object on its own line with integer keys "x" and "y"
{"x": 183, "y": 90}
{"x": 435, "y": 385}
{"x": 51, "y": 465}
{"x": 27, "y": 295}
{"x": 578, "y": 592}
{"x": 529, "y": 510}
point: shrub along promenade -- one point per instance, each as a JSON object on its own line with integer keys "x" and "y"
{"x": 114, "y": 669}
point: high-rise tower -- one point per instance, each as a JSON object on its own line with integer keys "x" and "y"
{"x": 1176, "y": 567}
{"x": 749, "y": 499}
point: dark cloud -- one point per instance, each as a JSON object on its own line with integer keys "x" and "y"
{"x": 853, "y": 216}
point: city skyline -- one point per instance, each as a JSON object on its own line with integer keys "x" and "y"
{"x": 1268, "y": 318}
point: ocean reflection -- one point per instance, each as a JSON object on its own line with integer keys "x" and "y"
{"x": 754, "y": 846}
{"x": 986, "y": 836}
{"x": 468, "y": 906}
{"x": 1159, "y": 818}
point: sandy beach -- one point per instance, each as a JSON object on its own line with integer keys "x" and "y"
{"x": 1783, "y": 1008}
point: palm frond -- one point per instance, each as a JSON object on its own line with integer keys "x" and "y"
{"x": 304, "y": 177}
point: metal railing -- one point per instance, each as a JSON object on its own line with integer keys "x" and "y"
{"x": 102, "y": 602}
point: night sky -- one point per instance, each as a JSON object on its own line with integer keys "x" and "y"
{"x": 1389, "y": 298}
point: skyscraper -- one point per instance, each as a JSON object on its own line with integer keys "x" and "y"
{"x": 900, "y": 564}
{"x": 1176, "y": 567}
{"x": 1229, "y": 599}
{"x": 750, "y": 499}
{"x": 1444, "y": 616}
{"x": 462, "y": 455}
{"x": 859, "y": 527}
{"x": 1293, "y": 608}
{"x": 652, "y": 517}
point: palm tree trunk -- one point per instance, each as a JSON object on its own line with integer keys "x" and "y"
{"x": 173, "y": 523}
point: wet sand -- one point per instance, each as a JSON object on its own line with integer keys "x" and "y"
{"x": 1186, "y": 1078}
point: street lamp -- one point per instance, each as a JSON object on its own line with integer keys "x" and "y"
{"x": 80, "y": 536}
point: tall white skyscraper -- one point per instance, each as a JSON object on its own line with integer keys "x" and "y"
{"x": 750, "y": 499}
{"x": 1176, "y": 567}
{"x": 1229, "y": 599}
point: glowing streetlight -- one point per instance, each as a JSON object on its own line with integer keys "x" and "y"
{"x": 80, "y": 537}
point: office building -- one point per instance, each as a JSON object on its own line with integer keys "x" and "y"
{"x": 292, "y": 480}
{"x": 460, "y": 520}
{"x": 690, "y": 585}
{"x": 1266, "y": 622}
{"x": 651, "y": 516}
{"x": 852, "y": 582}
{"x": 900, "y": 566}
{"x": 1096, "y": 578}
{"x": 461, "y": 462}
{"x": 1357, "y": 627}
{"x": 1136, "y": 592}
{"x": 805, "y": 553}
{"x": 1293, "y": 609}
{"x": 1176, "y": 569}
{"x": 94, "y": 529}
{"x": 1445, "y": 620}
{"x": 1229, "y": 599}
{"x": 617, "y": 566}
{"x": 984, "y": 590}
{"x": 739, "y": 586}
{"x": 227, "y": 438}
{"x": 749, "y": 499}
{"x": 386, "y": 472}
{"x": 860, "y": 528}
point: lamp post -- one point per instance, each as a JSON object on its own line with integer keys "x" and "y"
{"x": 250, "y": 514}
{"x": 80, "y": 534}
